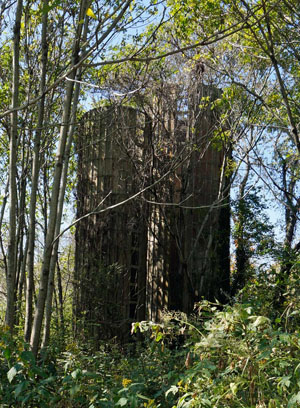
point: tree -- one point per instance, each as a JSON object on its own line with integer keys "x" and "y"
{"x": 12, "y": 247}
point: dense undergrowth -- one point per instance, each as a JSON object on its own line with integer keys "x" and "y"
{"x": 240, "y": 355}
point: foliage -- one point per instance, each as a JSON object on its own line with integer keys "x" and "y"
{"x": 231, "y": 356}
{"x": 252, "y": 224}
{"x": 240, "y": 359}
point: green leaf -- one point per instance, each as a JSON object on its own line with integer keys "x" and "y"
{"x": 260, "y": 321}
{"x": 20, "y": 388}
{"x": 285, "y": 381}
{"x": 47, "y": 7}
{"x": 67, "y": 379}
{"x": 12, "y": 373}
{"x": 234, "y": 388}
{"x": 283, "y": 363}
{"x": 76, "y": 373}
{"x": 74, "y": 390}
{"x": 143, "y": 397}
{"x": 122, "y": 402}
{"x": 294, "y": 400}
{"x": 7, "y": 353}
{"x": 49, "y": 380}
{"x": 28, "y": 356}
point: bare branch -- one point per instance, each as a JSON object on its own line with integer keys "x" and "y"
{"x": 99, "y": 87}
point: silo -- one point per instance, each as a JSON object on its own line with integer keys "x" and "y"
{"x": 110, "y": 255}
{"x": 188, "y": 231}
{"x": 169, "y": 247}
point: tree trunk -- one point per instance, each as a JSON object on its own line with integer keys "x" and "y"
{"x": 48, "y": 307}
{"x": 242, "y": 252}
{"x": 289, "y": 254}
{"x": 1, "y": 222}
{"x": 34, "y": 185}
{"x": 21, "y": 237}
{"x": 61, "y": 301}
{"x": 12, "y": 245}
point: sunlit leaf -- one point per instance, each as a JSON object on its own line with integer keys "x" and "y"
{"x": 90, "y": 13}
{"x": 173, "y": 389}
{"x": 260, "y": 321}
{"x": 234, "y": 388}
{"x": 122, "y": 402}
{"x": 285, "y": 381}
{"x": 294, "y": 400}
{"x": 12, "y": 373}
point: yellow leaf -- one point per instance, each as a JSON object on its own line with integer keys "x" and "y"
{"x": 90, "y": 13}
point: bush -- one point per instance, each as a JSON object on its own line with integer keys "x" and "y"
{"x": 240, "y": 360}
{"x": 236, "y": 356}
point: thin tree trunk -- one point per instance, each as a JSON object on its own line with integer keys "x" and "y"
{"x": 34, "y": 185}
{"x": 242, "y": 257}
{"x": 22, "y": 282}
{"x": 61, "y": 301}
{"x": 12, "y": 245}
{"x": 48, "y": 306}
{"x": 21, "y": 236}
{"x": 1, "y": 222}
{"x": 289, "y": 254}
